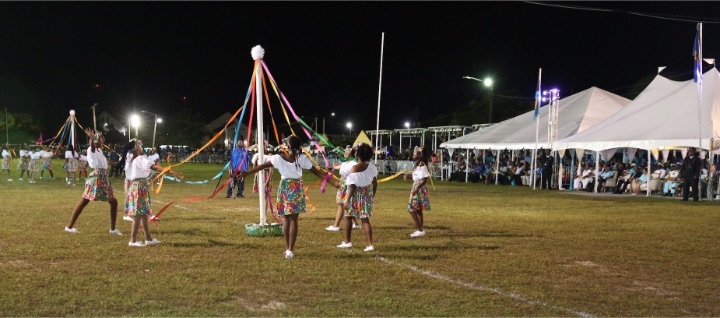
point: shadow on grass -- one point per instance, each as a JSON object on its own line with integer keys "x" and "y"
{"x": 446, "y": 247}
{"x": 411, "y": 228}
{"x": 214, "y": 243}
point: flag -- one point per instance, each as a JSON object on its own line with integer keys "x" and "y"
{"x": 537, "y": 98}
{"x": 697, "y": 55}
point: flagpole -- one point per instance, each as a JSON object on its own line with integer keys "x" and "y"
{"x": 699, "y": 82}
{"x": 536, "y": 115}
{"x": 377, "y": 124}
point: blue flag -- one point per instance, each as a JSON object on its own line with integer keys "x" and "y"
{"x": 697, "y": 55}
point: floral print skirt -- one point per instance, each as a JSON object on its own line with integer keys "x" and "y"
{"x": 290, "y": 197}
{"x": 360, "y": 204}
{"x": 98, "y": 187}
{"x": 137, "y": 198}
{"x": 421, "y": 200}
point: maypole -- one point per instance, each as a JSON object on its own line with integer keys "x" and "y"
{"x": 258, "y": 53}
{"x": 71, "y": 120}
{"x": 377, "y": 124}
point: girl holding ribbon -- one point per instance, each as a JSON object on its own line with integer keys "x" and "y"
{"x": 344, "y": 169}
{"x": 137, "y": 192}
{"x": 419, "y": 198}
{"x": 23, "y": 163}
{"x": 6, "y": 161}
{"x": 358, "y": 202}
{"x": 97, "y": 184}
{"x": 291, "y": 195}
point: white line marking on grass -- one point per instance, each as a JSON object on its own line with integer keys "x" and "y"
{"x": 483, "y": 288}
{"x": 175, "y": 205}
{"x": 466, "y": 284}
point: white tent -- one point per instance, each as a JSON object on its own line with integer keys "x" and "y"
{"x": 577, "y": 113}
{"x": 665, "y": 114}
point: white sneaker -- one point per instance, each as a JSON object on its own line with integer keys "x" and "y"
{"x": 345, "y": 245}
{"x": 69, "y": 183}
{"x": 115, "y": 231}
{"x": 128, "y": 218}
{"x": 152, "y": 242}
{"x": 71, "y": 230}
{"x": 370, "y": 248}
{"x": 20, "y": 179}
{"x": 289, "y": 254}
{"x": 9, "y": 179}
{"x": 136, "y": 244}
{"x": 418, "y": 234}
{"x": 356, "y": 227}
{"x": 333, "y": 228}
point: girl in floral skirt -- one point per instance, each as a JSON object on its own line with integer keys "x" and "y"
{"x": 137, "y": 192}
{"x": 290, "y": 197}
{"x": 6, "y": 162}
{"x": 344, "y": 170}
{"x": 34, "y": 165}
{"x": 359, "y": 199}
{"x": 419, "y": 198}
{"x": 97, "y": 184}
{"x": 71, "y": 165}
{"x": 23, "y": 163}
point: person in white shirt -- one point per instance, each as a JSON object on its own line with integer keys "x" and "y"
{"x": 419, "y": 194}
{"x": 137, "y": 193}
{"x": 582, "y": 180}
{"x": 23, "y": 163}
{"x": 47, "y": 164}
{"x": 6, "y": 161}
{"x": 71, "y": 165}
{"x": 358, "y": 202}
{"x": 291, "y": 195}
{"x": 35, "y": 164}
{"x": 343, "y": 169}
{"x": 97, "y": 184}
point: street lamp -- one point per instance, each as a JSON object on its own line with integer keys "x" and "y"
{"x": 332, "y": 115}
{"x": 349, "y": 126}
{"x": 134, "y": 121}
{"x": 407, "y": 124}
{"x": 488, "y": 82}
{"x": 157, "y": 120}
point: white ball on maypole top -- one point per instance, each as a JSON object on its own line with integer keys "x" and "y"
{"x": 72, "y": 112}
{"x": 257, "y": 52}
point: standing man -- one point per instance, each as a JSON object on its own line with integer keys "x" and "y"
{"x": 547, "y": 170}
{"x": 691, "y": 174}
{"x": 114, "y": 161}
{"x": 238, "y": 162}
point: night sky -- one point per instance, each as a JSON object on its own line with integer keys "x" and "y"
{"x": 326, "y": 56}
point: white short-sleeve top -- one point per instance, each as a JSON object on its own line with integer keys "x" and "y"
{"x": 362, "y": 178}
{"x": 69, "y": 154}
{"x": 291, "y": 170}
{"x": 96, "y": 160}
{"x": 5, "y": 153}
{"x": 256, "y": 159}
{"x": 346, "y": 167}
{"x": 47, "y": 154}
{"x": 138, "y": 168}
{"x": 420, "y": 172}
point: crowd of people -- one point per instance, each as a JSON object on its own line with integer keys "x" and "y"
{"x": 691, "y": 176}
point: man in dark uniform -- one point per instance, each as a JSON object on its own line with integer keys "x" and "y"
{"x": 547, "y": 170}
{"x": 691, "y": 175}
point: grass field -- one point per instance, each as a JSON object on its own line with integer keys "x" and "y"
{"x": 489, "y": 251}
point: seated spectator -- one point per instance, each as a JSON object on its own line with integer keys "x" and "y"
{"x": 605, "y": 173}
{"x": 625, "y": 179}
{"x": 519, "y": 173}
{"x": 671, "y": 181}
{"x": 584, "y": 178}
{"x": 638, "y": 182}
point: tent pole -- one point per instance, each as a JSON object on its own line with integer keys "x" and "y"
{"x": 467, "y": 163}
{"x": 497, "y": 167}
{"x": 649, "y": 167}
{"x": 597, "y": 169}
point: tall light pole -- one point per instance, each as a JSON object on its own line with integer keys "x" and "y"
{"x": 488, "y": 82}
{"x": 349, "y": 126}
{"x": 134, "y": 121}
{"x": 157, "y": 120}
{"x": 331, "y": 114}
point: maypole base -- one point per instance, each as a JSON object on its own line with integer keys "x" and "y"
{"x": 257, "y": 230}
